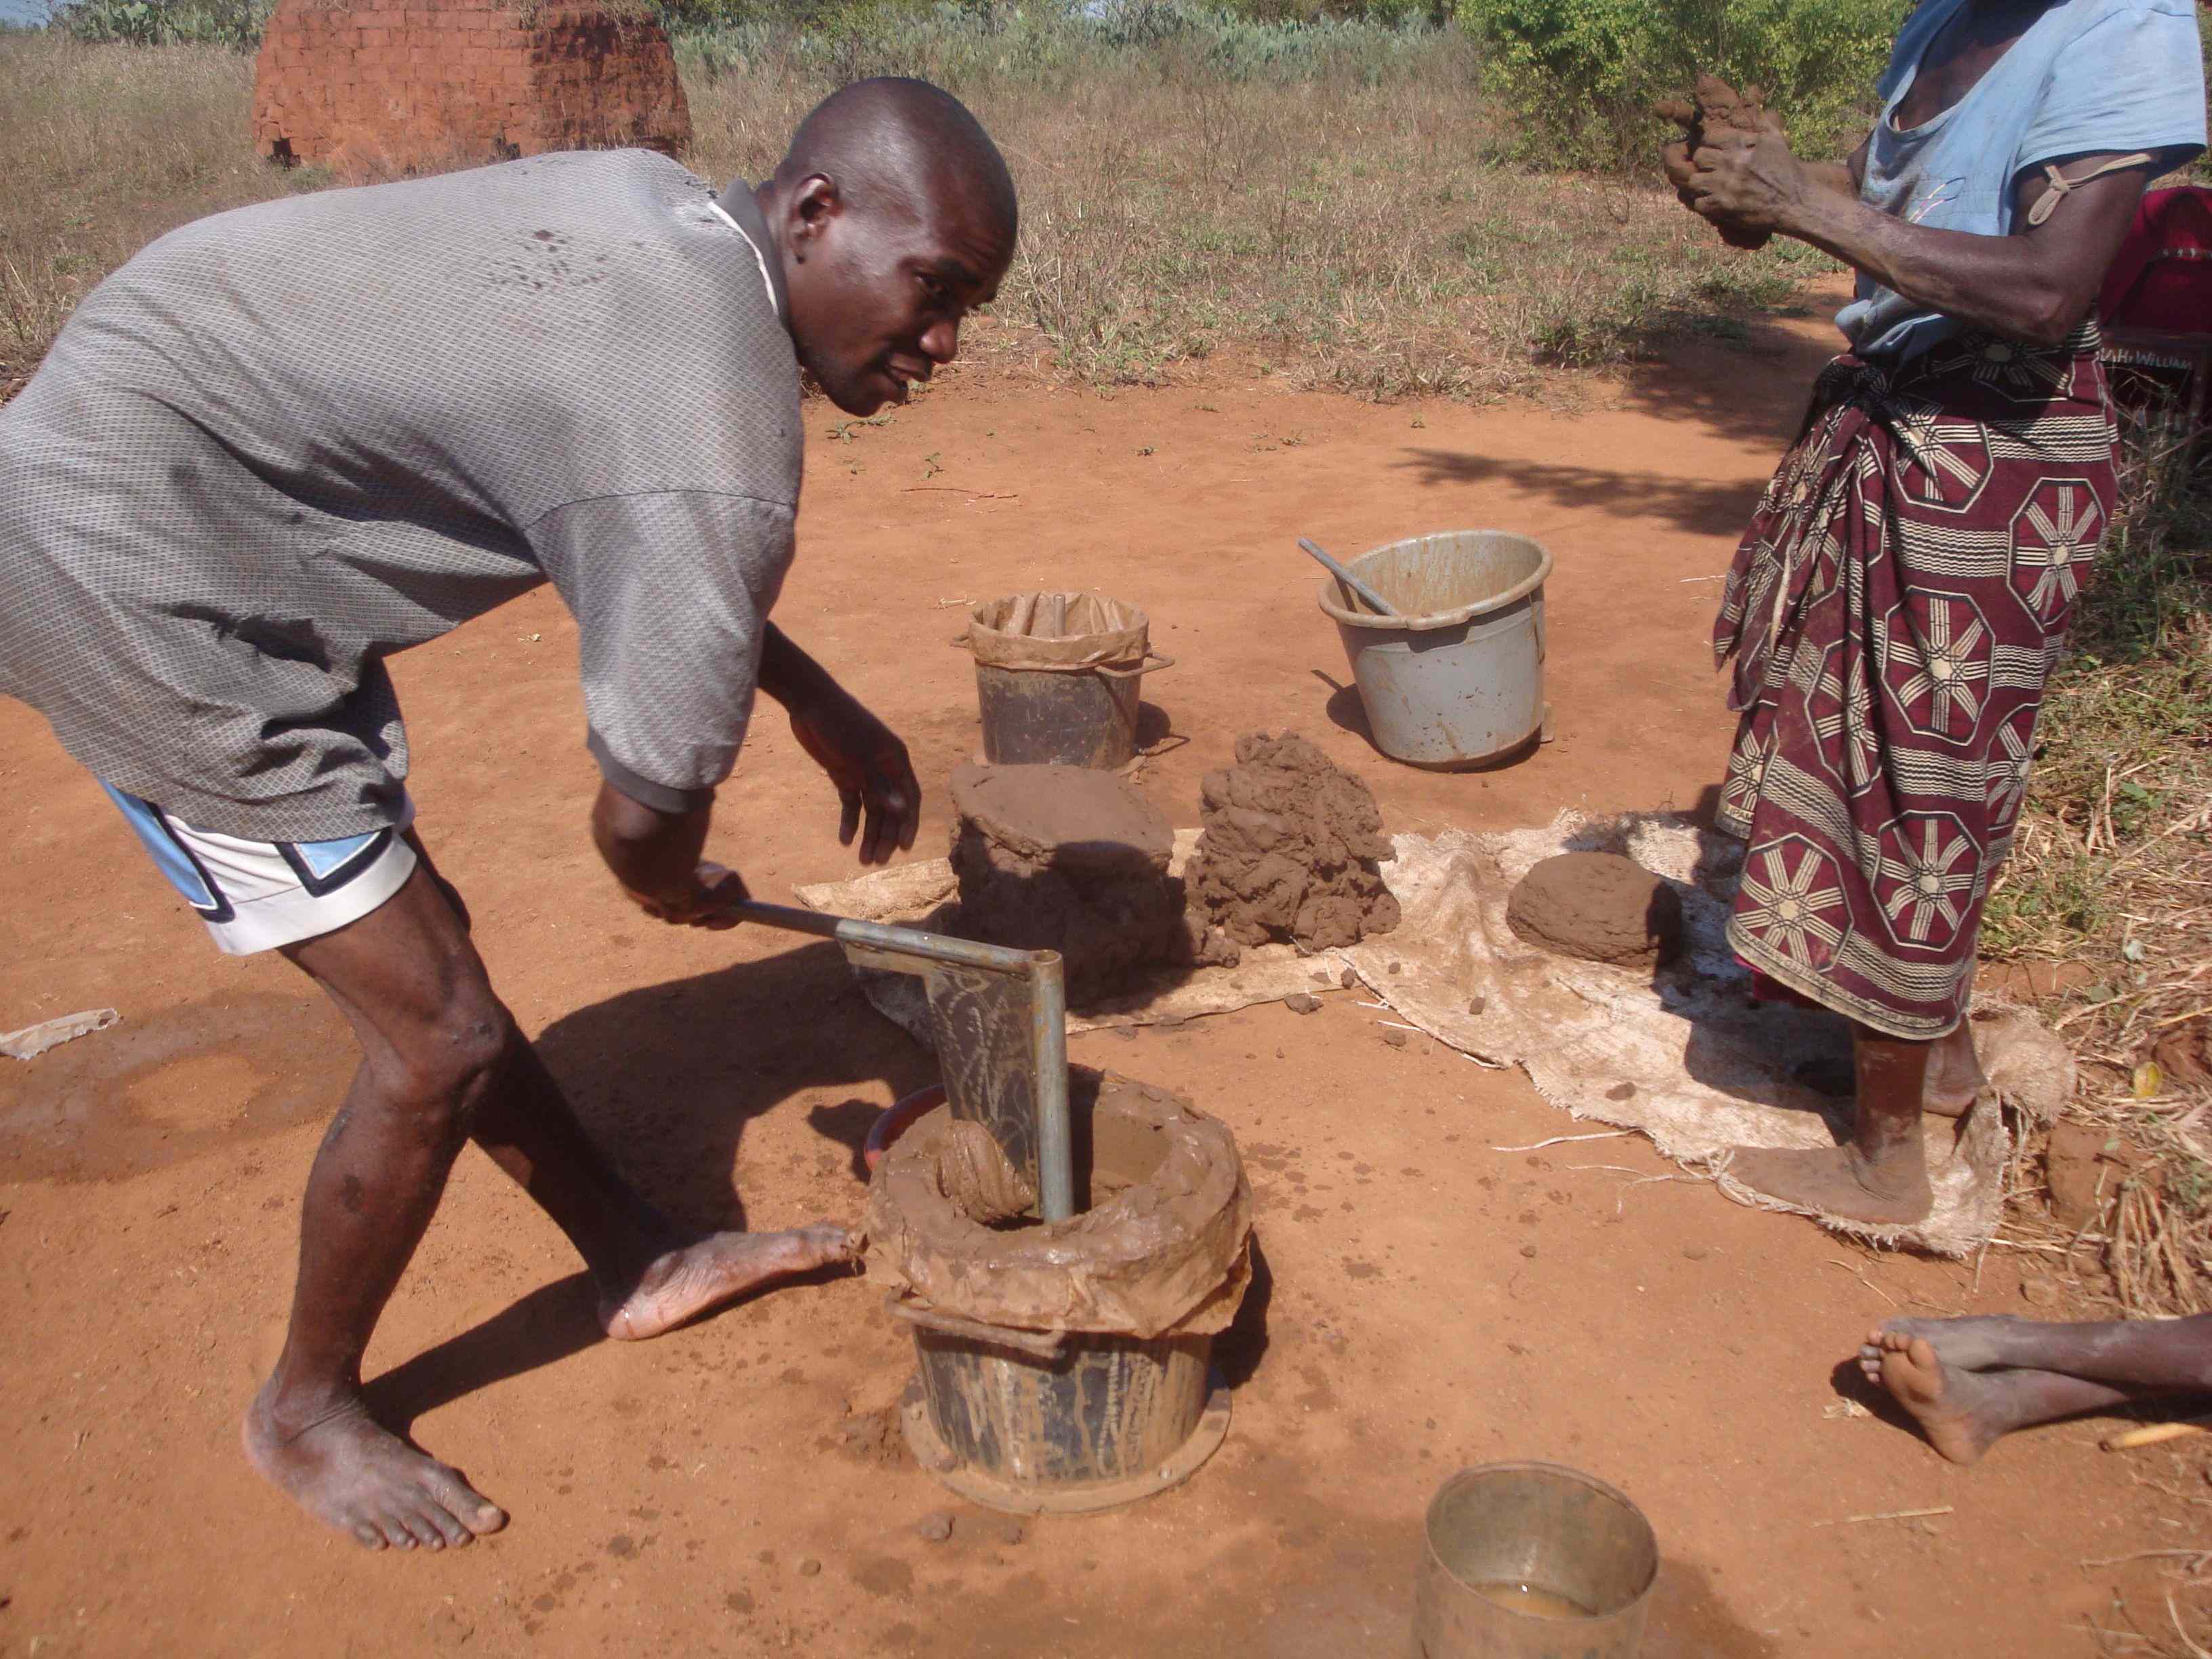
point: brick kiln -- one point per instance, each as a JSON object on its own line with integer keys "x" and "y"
{"x": 379, "y": 89}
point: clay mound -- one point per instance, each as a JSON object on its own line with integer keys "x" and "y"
{"x": 1598, "y": 906}
{"x": 1069, "y": 816}
{"x": 1290, "y": 850}
{"x": 1065, "y": 858}
{"x": 1161, "y": 1251}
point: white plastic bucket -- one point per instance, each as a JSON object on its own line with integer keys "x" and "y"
{"x": 1457, "y": 678}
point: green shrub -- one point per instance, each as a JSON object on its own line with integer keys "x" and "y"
{"x": 233, "y": 24}
{"x": 1580, "y": 76}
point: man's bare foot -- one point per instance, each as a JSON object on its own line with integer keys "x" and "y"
{"x": 1978, "y": 1343}
{"x": 1955, "y": 1078}
{"x": 684, "y": 1283}
{"x": 1962, "y": 1414}
{"x": 1838, "y": 1181}
{"x": 343, "y": 1469}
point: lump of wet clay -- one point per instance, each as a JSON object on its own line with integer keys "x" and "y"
{"x": 1066, "y": 859}
{"x": 1290, "y": 850}
{"x": 1598, "y": 906}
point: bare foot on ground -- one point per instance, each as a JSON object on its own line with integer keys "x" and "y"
{"x": 1977, "y": 1343}
{"x": 1836, "y": 1181}
{"x": 1955, "y": 1078}
{"x": 345, "y": 1470}
{"x": 1961, "y": 1413}
{"x": 684, "y": 1283}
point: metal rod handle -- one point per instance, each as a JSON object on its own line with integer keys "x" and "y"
{"x": 882, "y": 936}
{"x": 1381, "y": 606}
{"x": 1047, "y": 1015}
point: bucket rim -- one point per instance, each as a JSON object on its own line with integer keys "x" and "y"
{"x": 1562, "y": 1471}
{"x": 1326, "y": 592}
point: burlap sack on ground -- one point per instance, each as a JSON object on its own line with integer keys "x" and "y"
{"x": 1682, "y": 1055}
{"x": 1059, "y": 631}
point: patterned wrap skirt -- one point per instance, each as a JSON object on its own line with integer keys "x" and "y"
{"x": 1892, "y": 613}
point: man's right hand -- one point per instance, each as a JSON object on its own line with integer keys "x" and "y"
{"x": 655, "y": 855}
{"x": 708, "y": 901}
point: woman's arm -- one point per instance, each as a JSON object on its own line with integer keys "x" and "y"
{"x": 2037, "y": 284}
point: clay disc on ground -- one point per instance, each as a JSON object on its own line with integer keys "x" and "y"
{"x": 1598, "y": 906}
{"x": 1069, "y": 816}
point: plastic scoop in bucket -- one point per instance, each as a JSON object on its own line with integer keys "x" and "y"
{"x": 999, "y": 1018}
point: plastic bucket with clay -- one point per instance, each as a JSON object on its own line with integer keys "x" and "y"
{"x": 1064, "y": 1367}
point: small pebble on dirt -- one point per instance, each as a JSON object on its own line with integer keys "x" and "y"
{"x": 935, "y": 1527}
{"x": 1621, "y": 1091}
{"x": 1348, "y": 979}
{"x": 1394, "y": 1037}
{"x": 2038, "y": 1292}
{"x": 1279, "y": 1054}
{"x": 1321, "y": 977}
{"x": 808, "y": 1568}
{"x": 1695, "y": 1253}
{"x": 1476, "y": 1004}
{"x": 1395, "y": 966}
{"x": 1528, "y": 1250}
{"x": 1302, "y": 1002}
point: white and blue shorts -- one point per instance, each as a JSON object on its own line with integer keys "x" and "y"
{"x": 257, "y": 895}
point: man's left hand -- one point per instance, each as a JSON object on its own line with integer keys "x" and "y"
{"x": 869, "y": 765}
{"x": 1755, "y": 186}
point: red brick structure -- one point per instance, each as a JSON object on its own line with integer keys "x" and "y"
{"x": 381, "y": 88}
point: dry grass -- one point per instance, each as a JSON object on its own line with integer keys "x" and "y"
{"x": 2113, "y": 873}
{"x": 101, "y": 149}
{"x": 1342, "y": 218}
{"x": 1343, "y": 228}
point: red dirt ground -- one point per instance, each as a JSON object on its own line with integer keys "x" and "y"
{"x": 1434, "y": 1301}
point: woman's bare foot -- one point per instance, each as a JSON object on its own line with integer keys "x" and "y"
{"x": 1955, "y": 1078}
{"x": 345, "y": 1470}
{"x": 682, "y": 1284}
{"x": 1962, "y": 1414}
{"x": 1840, "y": 1180}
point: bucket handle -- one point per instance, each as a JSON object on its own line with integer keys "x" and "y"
{"x": 1044, "y": 1345}
{"x": 1152, "y": 664}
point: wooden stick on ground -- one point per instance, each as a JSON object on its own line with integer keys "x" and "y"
{"x": 2152, "y": 1434}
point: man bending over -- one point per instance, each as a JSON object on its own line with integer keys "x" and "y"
{"x": 282, "y": 443}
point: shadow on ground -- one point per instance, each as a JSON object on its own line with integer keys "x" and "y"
{"x": 666, "y": 1077}
{"x": 1751, "y": 391}
{"x": 1705, "y": 508}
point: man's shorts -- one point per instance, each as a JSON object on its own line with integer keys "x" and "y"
{"x": 258, "y": 895}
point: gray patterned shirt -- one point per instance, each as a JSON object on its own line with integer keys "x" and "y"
{"x": 282, "y": 443}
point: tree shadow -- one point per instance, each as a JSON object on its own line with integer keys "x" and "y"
{"x": 1751, "y": 388}
{"x": 1704, "y": 508}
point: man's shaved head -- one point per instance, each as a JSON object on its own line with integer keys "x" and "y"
{"x": 901, "y": 145}
{"x": 894, "y": 215}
